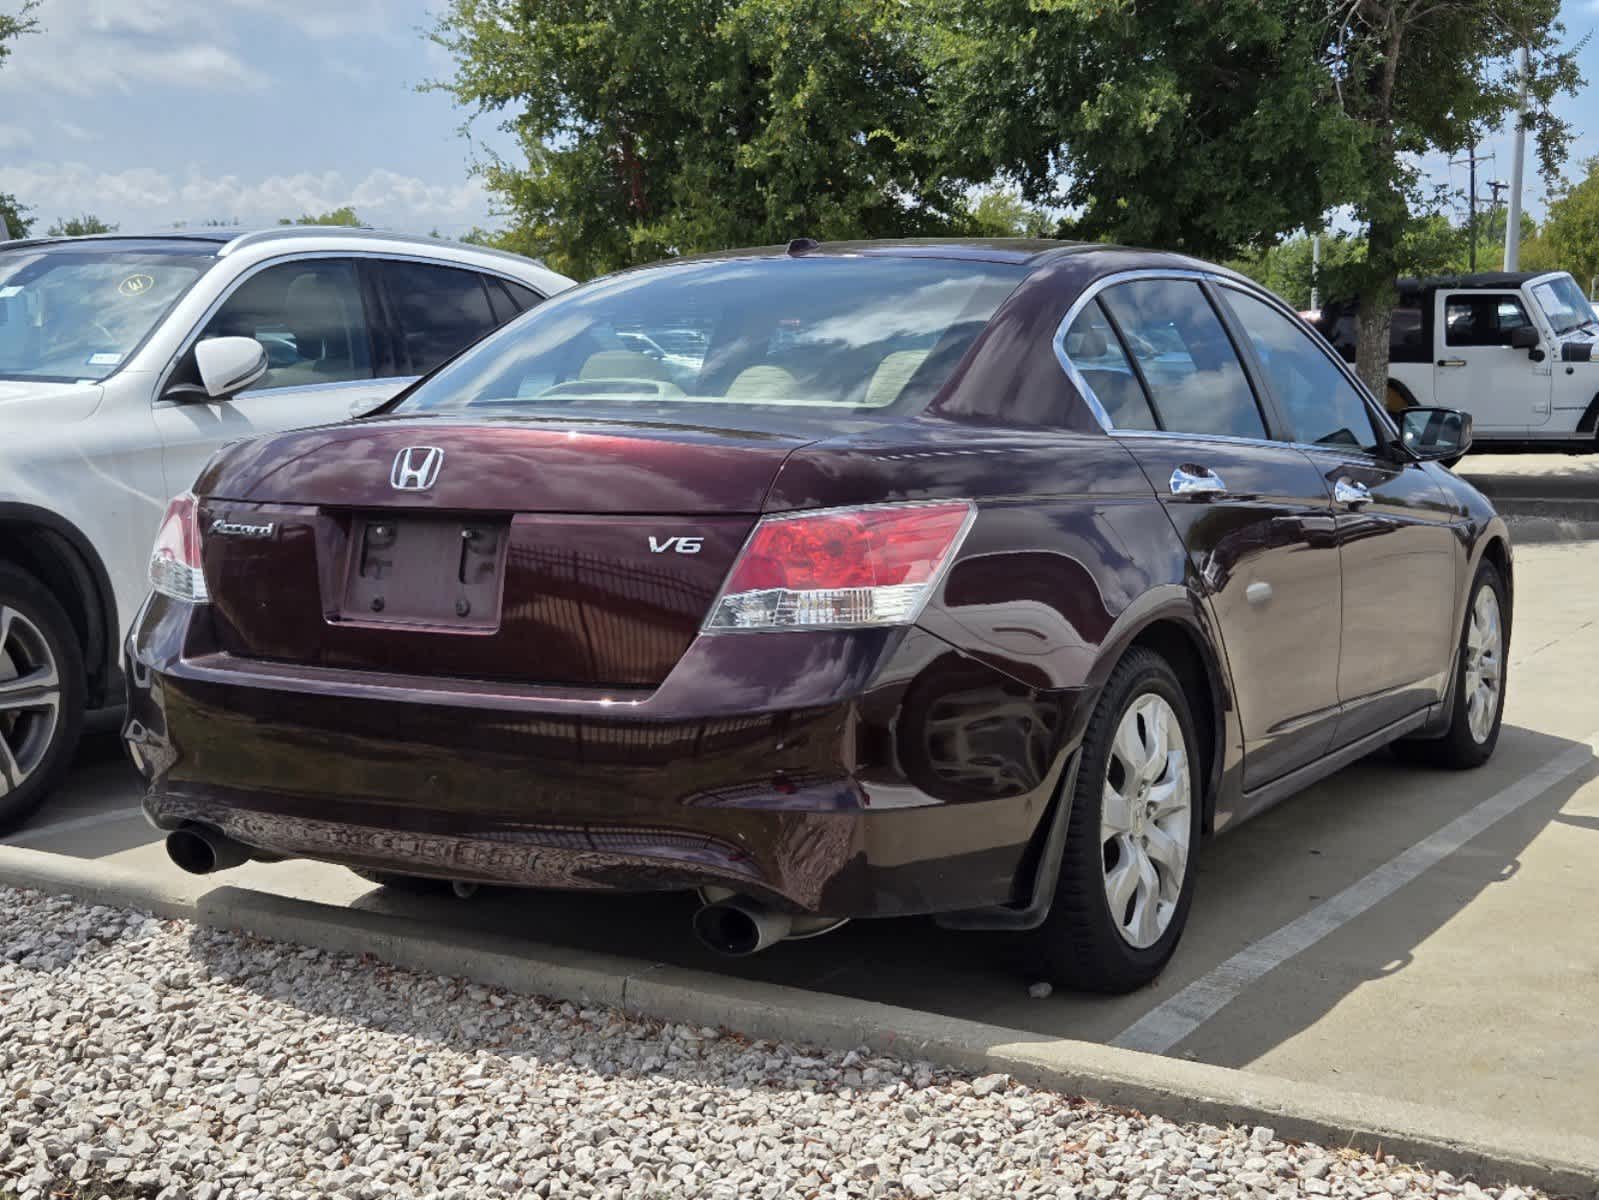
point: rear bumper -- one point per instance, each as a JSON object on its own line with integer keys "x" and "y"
{"x": 842, "y": 774}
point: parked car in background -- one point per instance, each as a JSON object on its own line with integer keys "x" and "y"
{"x": 126, "y": 361}
{"x": 1515, "y": 350}
{"x": 978, "y": 579}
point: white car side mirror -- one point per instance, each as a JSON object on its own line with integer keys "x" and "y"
{"x": 228, "y": 365}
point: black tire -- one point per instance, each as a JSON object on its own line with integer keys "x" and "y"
{"x": 38, "y": 746}
{"x": 1460, "y": 748}
{"x": 1080, "y": 944}
{"x": 415, "y": 884}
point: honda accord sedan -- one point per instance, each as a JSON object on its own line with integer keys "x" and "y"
{"x": 983, "y": 580}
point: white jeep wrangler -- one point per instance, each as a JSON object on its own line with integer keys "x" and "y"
{"x": 126, "y": 361}
{"x": 1515, "y": 350}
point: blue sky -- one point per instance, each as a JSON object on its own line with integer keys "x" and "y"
{"x": 148, "y": 112}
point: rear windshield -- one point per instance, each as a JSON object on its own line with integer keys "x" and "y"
{"x": 79, "y": 311}
{"x": 857, "y": 336}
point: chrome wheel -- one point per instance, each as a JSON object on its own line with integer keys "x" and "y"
{"x": 1484, "y": 664}
{"x": 30, "y": 698}
{"x": 1145, "y": 820}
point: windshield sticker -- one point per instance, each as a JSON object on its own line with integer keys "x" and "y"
{"x": 7, "y": 292}
{"x": 135, "y": 285}
{"x": 106, "y": 358}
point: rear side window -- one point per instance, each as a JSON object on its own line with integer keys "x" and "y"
{"x": 1195, "y": 380}
{"x": 508, "y": 299}
{"x": 1094, "y": 349}
{"x": 438, "y": 310}
{"x": 1322, "y": 406}
{"x": 1482, "y": 319}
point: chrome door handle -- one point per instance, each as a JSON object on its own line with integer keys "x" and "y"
{"x": 1451, "y": 362}
{"x": 1191, "y": 480}
{"x": 1347, "y": 491}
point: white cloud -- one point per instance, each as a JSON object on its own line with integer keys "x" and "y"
{"x": 14, "y": 137}
{"x": 145, "y": 198}
{"x": 91, "y": 47}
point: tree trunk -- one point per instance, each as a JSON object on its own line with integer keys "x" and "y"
{"x": 1376, "y": 315}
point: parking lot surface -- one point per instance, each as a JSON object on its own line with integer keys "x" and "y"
{"x": 1394, "y": 930}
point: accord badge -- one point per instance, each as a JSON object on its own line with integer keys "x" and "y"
{"x": 240, "y": 529}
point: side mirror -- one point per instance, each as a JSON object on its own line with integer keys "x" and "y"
{"x": 228, "y": 365}
{"x": 1435, "y": 433}
{"x": 1526, "y": 338}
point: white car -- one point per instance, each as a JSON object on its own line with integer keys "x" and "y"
{"x": 1513, "y": 349}
{"x": 126, "y": 361}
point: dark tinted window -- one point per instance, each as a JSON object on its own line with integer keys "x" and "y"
{"x": 500, "y": 300}
{"x": 525, "y": 297}
{"x": 1482, "y": 319}
{"x": 439, "y": 311}
{"x": 1194, "y": 377}
{"x": 1093, "y": 348}
{"x": 1322, "y": 406}
{"x": 310, "y": 318}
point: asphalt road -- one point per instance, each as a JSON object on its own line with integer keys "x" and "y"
{"x": 1393, "y": 930}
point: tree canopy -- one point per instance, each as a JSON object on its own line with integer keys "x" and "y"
{"x": 79, "y": 226}
{"x": 338, "y": 216}
{"x": 14, "y": 221}
{"x": 700, "y": 123}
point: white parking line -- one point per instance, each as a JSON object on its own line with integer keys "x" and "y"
{"x": 40, "y": 832}
{"x": 1158, "y": 1030}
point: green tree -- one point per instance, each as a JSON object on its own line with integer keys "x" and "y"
{"x": 14, "y": 221}
{"x": 1422, "y": 75}
{"x": 698, "y": 124}
{"x": 339, "y": 216}
{"x": 1210, "y": 127}
{"x": 1571, "y": 229}
{"x": 1288, "y": 268}
{"x": 13, "y": 217}
{"x": 1157, "y": 122}
{"x": 1004, "y": 213}
{"x": 79, "y": 226}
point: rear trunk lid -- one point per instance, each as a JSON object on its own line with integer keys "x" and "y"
{"x": 581, "y": 555}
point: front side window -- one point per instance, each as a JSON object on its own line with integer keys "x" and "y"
{"x": 69, "y": 313}
{"x": 825, "y": 335}
{"x": 1195, "y": 380}
{"x": 439, "y": 311}
{"x": 1482, "y": 318}
{"x": 1564, "y": 304}
{"x": 310, "y": 318}
{"x": 1321, "y": 405}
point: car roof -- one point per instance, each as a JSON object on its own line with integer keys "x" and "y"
{"x": 1481, "y": 279}
{"x": 224, "y": 241}
{"x": 1030, "y": 251}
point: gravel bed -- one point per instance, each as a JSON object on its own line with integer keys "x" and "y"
{"x": 148, "y": 1058}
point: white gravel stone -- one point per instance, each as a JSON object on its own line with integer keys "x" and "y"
{"x": 150, "y": 1059}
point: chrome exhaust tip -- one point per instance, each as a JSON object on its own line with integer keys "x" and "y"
{"x": 202, "y": 851}
{"x": 738, "y": 927}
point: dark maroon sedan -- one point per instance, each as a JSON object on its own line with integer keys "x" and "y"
{"x": 974, "y": 579}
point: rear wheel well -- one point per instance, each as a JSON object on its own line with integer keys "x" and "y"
{"x": 58, "y": 565}
{"x": 1181, "y": 649}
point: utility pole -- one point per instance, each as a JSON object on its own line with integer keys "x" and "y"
{"x": 1513, "y": 213}
{"x": 1470, "y": 161}
{"x": 1496, "y": 186}
{"x": 1315, "y": 270}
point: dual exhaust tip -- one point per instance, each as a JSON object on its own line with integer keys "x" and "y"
{"x": 736, "y": 926}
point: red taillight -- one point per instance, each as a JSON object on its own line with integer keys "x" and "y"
{"x": 175, "y": 562}
{"x": 841, "y": 567}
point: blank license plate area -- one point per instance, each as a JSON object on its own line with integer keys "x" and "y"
{"x": 425, "y": 571}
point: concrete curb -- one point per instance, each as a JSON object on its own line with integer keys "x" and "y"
{"x": 1487, "y": 1150}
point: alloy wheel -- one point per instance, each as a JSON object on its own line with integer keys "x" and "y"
{"x": 1146, "y": 820}
{"x": 1484, "y": 667}
{"x": 30, "y": 698}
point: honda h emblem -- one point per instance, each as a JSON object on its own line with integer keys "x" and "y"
{"x": 416, "y": 468}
